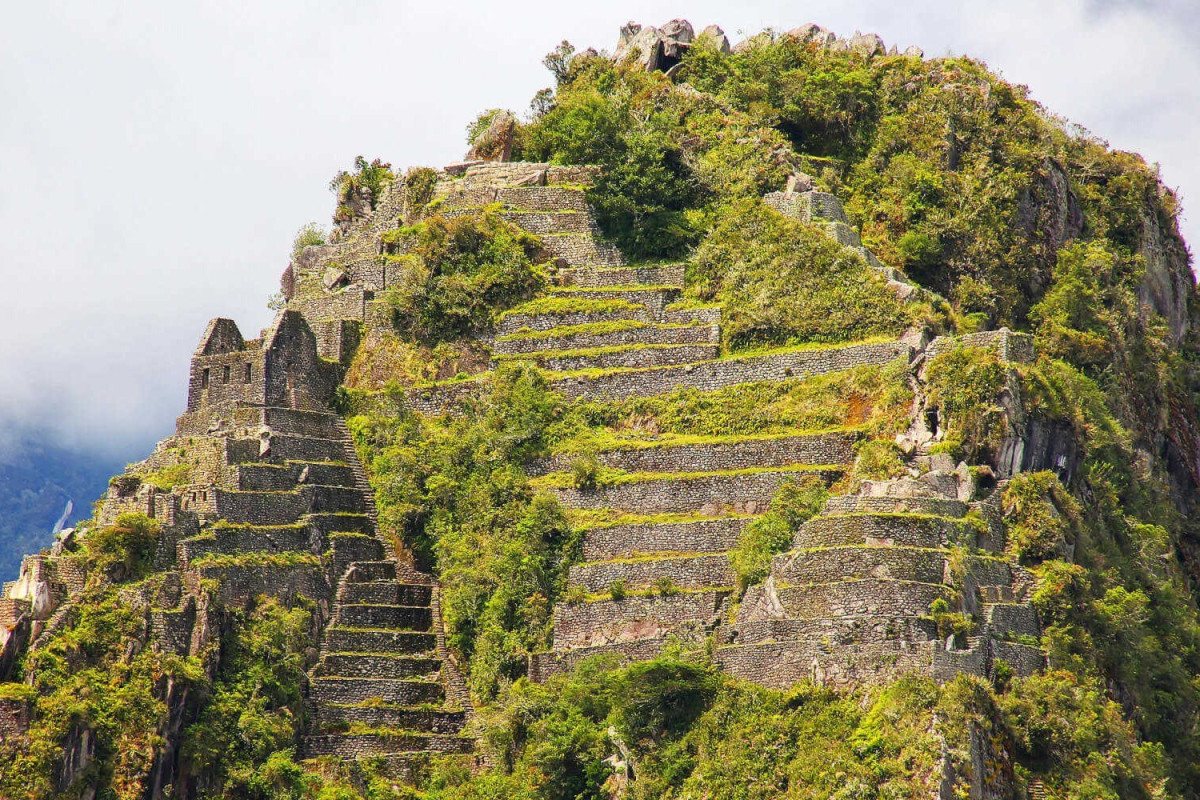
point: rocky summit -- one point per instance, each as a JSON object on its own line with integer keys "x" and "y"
{"x": 800, "y": 417}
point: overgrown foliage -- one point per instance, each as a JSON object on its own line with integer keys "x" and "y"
{"x": 458, "y": 273}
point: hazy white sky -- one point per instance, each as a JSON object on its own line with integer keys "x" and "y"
{"x": 156, "y": 159}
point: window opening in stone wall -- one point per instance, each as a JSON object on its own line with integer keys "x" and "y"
{"x": 204, "y": 379}
{"x": 225, "y": 374}
{"x": 247, "y": 380}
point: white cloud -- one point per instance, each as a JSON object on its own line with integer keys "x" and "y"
{"x": 155, "y": 160}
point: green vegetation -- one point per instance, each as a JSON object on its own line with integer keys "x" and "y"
{"x": 759, "y": 264}
{"x": 453, "y": 490}
{"x": 309, "y": 235}
{"x": 459, "y": 273}
{"x": 794, "y": 503}
{"x": 244, "y": 740}
{"x": 360, "y": 190}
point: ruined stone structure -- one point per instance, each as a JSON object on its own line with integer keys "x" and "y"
{"x": 851, "y": 602}
{"x": 275, "y": 502}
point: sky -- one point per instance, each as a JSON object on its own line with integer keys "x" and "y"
{"x": 156, "y": 159}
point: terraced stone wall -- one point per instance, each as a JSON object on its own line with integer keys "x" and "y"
{"x": 636, "y": 617}
{"x": 828, "y": 448}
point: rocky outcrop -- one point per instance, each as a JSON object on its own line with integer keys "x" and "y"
{"x": 495, "y": 142}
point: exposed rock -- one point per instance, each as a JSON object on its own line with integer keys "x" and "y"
{"x": 914, "y": 52}
{"x": 314, "y": 255}
{"x": 495, "y": 142}
{"x": 867, "y": 44}
{"x": 657, "y": 49}
{"x": 333, "y": 278}
{"x": 814, "y": 33}
{"x": 715, "y": 35}
{"x": 800, "y": 182}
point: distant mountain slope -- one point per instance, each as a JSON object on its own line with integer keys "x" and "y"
{"x": 35, "y": 485}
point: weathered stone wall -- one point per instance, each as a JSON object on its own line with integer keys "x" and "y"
{"x": 689, "y": 572}
{"x": 650, "y": 355}
{"x": 744, "y": 492}
{"x": 706, "y": 376}
{"x": 908, "y": 530}
{"x": 847, "y": 563}
{"x": 832, "y": 448}
{"x": 1007, "y": 345}
{"x": 635, "y": 617}
{"x": 650, "y": 335}
{"x": 864, "y": 597}
{"x": 511, "y": 323}
{"x": 701, "y": 536}
{"x": 545, "y": 665}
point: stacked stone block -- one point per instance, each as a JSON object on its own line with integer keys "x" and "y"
{"x": 854, "y": 598}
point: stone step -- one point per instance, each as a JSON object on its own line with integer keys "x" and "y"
{"x": 588, "y": 337}
{"x": 1012, "y": 619}
{"x": 726, "y": 372}
{"x": 241, "y": 583}
{"x": 283, "y": 447}
{"x": 370, "y": 571}
{"x": 406, "y": 618}
{"x": 399, "y": 718}
{"x": 683, "y": 571}
{"x": 593, "y": 278}
{"x": 624, "y": 357}
{"x": 853, "y": 503}
{"x": 329, "y": 524}
{"x": 354, "y": 745}
{"x": 391, "y": 593}
{"x": 401, "y": 691}
{"x": 716, "y": 453}
{"x": 883, "y": 529}
{"x": 542, "y": 198}
{"x": 715, "y": 535}
{"x": 367, "y": 640}
{"x": 286, "y": 477}
{"x": 637, "y": 617}
{"x": 582, "y": 250}
{"x": 551, "y": 222}
{"x": 653, "y": 298}
{"x": 281, "y": 508}
{"x": 514, "y": 321}
{"x": 711, "y": 493}
{"x": 376, "y": 665}
{"x": 547, "y": 663}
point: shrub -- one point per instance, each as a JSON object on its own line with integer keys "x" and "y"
{"x": 1040, "y": 516}
{"x": 784, "y": 282}
{"x": 965, "y": 386}
{"x": 459, "y": 274}
{"x": 124, "y": 550}
{"x": 665, "y": 586}
{"x": 794, "y": 503}
{"x": 585, "y": 472}
{"x": 616, "y": 589}
{"x": 309, "y": 235}
{"x": 878, "y": 460}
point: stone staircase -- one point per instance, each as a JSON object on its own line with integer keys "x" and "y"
{"x": 383, "y": 687}
{"x": 851, "y": 601}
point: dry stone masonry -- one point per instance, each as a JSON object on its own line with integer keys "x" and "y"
{"x": 852, "y": 601}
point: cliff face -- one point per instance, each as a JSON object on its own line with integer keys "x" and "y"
{"x": 692, "y": 470}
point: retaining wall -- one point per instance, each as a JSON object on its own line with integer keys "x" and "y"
{"x": 701, "y": 536}
{"x": 691, "y": 572}
{"x": 634, "y": 617}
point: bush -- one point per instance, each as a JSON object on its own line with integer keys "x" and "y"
{"x": 794, "y": 503}
{"x": 616, "y": 589}
{"x": 585, "y": 472}
{"x": 459, "y": 274}
{"x": 878, "y": 460}
{"x": 965, "y": 386}
{"x": 784, "y": 282}
{"x": 124, "y": 550}
{"x": 1040, "y": 516}
{"x": 309, "y": 235}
